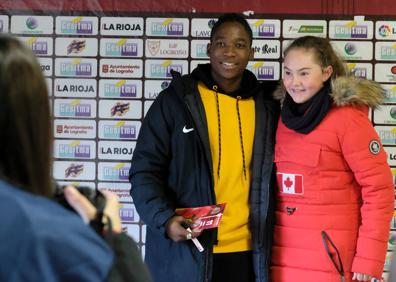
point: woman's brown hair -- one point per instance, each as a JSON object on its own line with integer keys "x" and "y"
{"x": 25, "y": 125}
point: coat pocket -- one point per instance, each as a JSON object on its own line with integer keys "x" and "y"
{"x": 306, "y": 156}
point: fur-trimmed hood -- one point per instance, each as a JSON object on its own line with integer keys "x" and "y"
{"x": 349, "y": 91}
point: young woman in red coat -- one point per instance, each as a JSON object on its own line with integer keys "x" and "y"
{"x": 335, "y": 190}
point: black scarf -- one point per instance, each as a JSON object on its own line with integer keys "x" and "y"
{"x": 303, "y": 118}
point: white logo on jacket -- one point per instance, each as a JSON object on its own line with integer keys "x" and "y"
{"x": 187, "y": 130}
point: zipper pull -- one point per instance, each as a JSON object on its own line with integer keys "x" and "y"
{"x": 290, "y": 210}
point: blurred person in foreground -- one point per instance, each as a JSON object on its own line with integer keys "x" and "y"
{"x": 40, "y": 239}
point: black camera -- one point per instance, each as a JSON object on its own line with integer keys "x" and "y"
{"x": 94, "y": 196}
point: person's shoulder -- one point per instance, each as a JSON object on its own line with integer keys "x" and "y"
{"x": 268, "y": 85}
{"x": 350, "y": 112}
{"x": 15, "y": 214}
{"x": 17, "y": 204}
{"x": 265, "y": 95}
{"x": 176, "y": 90}
{"x": 38, "y": 229}
{"x": 36, "y": 213}
{"x": 348, "y": 118}
{"x": 182, "y": 83}
{"x": 28, "y": 205}
{"x": 176, "y": 87}
{"x": 266, "y": 89}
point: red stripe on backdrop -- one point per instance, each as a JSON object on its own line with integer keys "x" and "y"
{"x": 302, "y": 7}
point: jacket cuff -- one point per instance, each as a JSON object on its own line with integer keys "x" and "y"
{"x": 366, "y": 266}
{"x": 161, "y": 221}
{"x": 370, "y": 257}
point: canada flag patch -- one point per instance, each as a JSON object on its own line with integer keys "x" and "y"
{"x": 290, "y": 183}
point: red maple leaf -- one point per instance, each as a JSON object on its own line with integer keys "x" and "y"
{"x": 288, "y": 183}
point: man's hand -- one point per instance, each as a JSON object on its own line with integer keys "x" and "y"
{"x": 176, "y": 231}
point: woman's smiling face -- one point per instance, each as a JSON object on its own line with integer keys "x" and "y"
{"x": 303, "y": 77}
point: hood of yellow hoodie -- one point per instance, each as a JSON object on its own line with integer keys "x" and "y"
{"x": 248, "y": 87}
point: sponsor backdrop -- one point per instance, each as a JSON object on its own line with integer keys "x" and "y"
{"x": 104, "y": 72}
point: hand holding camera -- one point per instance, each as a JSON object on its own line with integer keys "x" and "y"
{"x": 85, "y": 208}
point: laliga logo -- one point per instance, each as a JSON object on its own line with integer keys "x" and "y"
{"x": 384, "y": 30}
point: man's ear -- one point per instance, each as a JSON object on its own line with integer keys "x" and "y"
{"x": 251, "y": 55}
{"x": 327, "y": 72}
{"x": 208, "y": 48}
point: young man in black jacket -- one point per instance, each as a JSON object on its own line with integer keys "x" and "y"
{"x": 209, "y": 138}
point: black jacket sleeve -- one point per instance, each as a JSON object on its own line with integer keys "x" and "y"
{"x": 128, "y": 265}
{"x": 150, "y": 165}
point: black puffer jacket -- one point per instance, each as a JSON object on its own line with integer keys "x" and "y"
{"x": 172, "y": 168}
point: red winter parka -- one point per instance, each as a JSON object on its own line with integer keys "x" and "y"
{"x": 335, "y": 192}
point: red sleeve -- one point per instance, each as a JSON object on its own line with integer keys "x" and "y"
{"x": 368, "y": 161}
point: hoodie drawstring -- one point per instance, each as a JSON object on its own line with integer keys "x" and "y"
{"x": 219, "y": 132}
{"x": 219, "y": 128}
{"x": 241, "y": 136}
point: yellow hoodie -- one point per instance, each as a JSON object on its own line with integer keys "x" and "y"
{"x": 235, "y": 119}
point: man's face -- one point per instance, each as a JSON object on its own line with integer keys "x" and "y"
{"x": 229, "y": 52}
